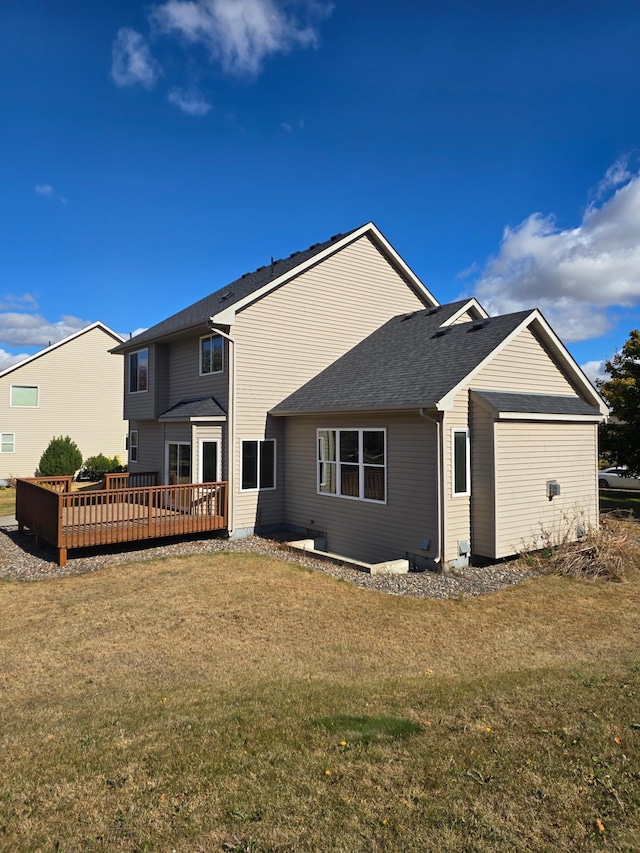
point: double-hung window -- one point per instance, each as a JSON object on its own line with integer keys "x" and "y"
{"x": 460, "y": 468}
{"x": 7, "y": 442}
{"x": 25, "y": 396}
{"x": 138, "y": 371}
{"x": 352, "y": 463}
{"x": 211, "y": 354}
{"x": 133, "y": 445}
{"x": 259, "y": 464}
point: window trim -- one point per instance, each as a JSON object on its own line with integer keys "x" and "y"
{"x": 361, "y": 464}
{"x": 138, "y": 390}
{"x": 467, "y": 491}
{"x": 201, "y": 442}
{"x": 188, "y": 444}
{"x": 13, "y": 450}
{"x": 210, "y": 337}
{"x": 133, "y": 444}
{"x": 260, "y": 442}
{"x": 13, "y": 405}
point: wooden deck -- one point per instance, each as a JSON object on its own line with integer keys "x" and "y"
{"x": 81, "y": 519}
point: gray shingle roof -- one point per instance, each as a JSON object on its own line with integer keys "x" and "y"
{"x": 198, "y": 313}
{"x": 205, "y": 407}
{"x": 410, "y": 361}
{"x": 539, "y": 404}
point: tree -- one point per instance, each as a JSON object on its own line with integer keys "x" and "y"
{"x": 620, "y": 440}
{"x": 62, "y": 457}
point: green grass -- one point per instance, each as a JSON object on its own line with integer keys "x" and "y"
{"x": 236, "y": 703}
{"x": 620, "y": 499}
{"x": 7, "y": 502}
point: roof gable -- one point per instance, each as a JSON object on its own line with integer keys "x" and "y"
{"x": 61, "y": 343}
{"x": 221, "y": 306}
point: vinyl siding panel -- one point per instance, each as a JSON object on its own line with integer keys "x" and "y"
{"x": 287, "y": 337}
{"x": 482, "y": 480}
{"x": 363, "y": 530}
{"x": 529, "y": 454}
{"x": 150, "y": 447}
{"x": 80, "y": 395}
{"x": 185, "y": 382}
{"x": 457, "y": 509}
{"x": 523, "y": 365}
{"x": 141, "y": 404}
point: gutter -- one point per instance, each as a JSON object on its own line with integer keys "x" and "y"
{"x": 231, "y": 417}
{"x": 440, "y": 485}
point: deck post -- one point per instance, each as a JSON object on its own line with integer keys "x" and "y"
{"x": 20, "y": 528}
{"x": 62, "y": 557}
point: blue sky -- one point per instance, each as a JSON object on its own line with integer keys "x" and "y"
{"x": 152, "y": 152}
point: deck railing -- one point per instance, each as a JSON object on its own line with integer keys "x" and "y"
{"x": 89, "y": 518}
{"x": 127, "y": 480}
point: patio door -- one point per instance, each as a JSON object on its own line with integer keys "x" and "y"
{"x": 208, "y": 461}
{"x": 178, "y": 463}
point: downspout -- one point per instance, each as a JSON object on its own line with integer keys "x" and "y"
{"x": 231, "y": 418}
{"x": 440, "y": 485}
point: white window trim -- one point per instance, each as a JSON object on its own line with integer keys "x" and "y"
{"x": 467, "y": 491}
{"x": 13, "y": 406}
{"x": 260, "y": 488}
{"x": 166, "y": 457}
{"x": 133, "y": 432}
{"x": 202, "y": 441}
{"x": 14, "y": 442}
{"x": 144, "y": 390}
{"x": 361, "y": 465}
{"x": 211, "y": 372}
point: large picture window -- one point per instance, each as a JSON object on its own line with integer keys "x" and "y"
{"x": 211, "y": 354}
{"x": 259, "y": 464}
{"x": 352, "y": 463}
{"x": 460, "y": 469}
{"x": 138, "y": 371}
{"x": 26, "y": 396}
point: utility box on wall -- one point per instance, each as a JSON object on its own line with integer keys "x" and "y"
{"x": 553, "y": 489}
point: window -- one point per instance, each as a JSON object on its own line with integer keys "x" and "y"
{"x": 24, "y": 395}
{"x": 460, "y": 469}
{"x": 138, "y": 371}
{"x": 259, "y": 464}
{"x": 7, "y": 442}
{"x": 211, "y": 354}
{"x": 352, "y": 463}
{"x": 133, "y": 445}
{"x": 178, "y": 463}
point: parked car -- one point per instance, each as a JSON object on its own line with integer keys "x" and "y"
{"x": 617, "y": 478}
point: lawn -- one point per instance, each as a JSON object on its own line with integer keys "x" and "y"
{"x": 240, "y": 703}
{"x": 621, "y": 499}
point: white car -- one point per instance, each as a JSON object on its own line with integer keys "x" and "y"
{"x": 617, "y": 478}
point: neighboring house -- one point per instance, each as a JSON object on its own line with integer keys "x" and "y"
{"x": 339, "y": 399}
{"x": 74, "y": 388}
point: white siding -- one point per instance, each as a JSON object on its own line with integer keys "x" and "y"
{"x": 365, "y": 530}
{"x": 286, "y": 338}
{"x": 483, "y": 482}
{"x": 80, "y": 395}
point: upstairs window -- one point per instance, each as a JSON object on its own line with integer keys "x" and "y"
{"x": 352, "y": 463}
{"x": 461, "y": 468}
{"x": 211, "y": 355}
{"x": 138, "y": 371}
{"x": 25, "y": 396}
{"x": 259, "y": 464}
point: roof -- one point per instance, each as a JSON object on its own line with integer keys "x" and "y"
{"x": 220, "y": 305}
{"x": 202, "y": 409}
{"x": 414, "y": 360}
{"x": 540, "y": 404}
{"x": 62, "y": 342}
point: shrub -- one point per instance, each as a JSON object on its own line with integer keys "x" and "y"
{"x": 95, "y": 467}
{"x": 62, "y": 457}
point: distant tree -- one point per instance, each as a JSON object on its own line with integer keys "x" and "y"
{"x": 62, "y": 457}
{"x": 97, "y": 466}
{"x": 620, "y": 440}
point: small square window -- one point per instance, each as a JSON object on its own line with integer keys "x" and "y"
{"x": 26, "y": 396}
{"x": 7, "y": 442}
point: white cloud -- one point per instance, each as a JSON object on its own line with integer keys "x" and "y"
{"x": 132, "y": 61}
{"x": 240, "y": 34}
{"x": 33, "y": 330}
{"x": 594, "y": 370}
{"x": 12, "y": 302}
{"x": 44, "y": 189}
{"x": 190, "y": 101}
{"x": 7, "y": 359}
{"x": 574, "y": 275}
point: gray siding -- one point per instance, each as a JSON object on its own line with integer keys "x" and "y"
{"x": 365, "y": 530}
{"x": 185, "y": 383}
{"x": 286, "y": 338}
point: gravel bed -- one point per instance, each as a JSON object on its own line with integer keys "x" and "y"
{"x": 20, "y": 561}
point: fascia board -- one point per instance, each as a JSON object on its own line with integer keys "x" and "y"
{"x": 40, "y": 353}
{"x": 227, "y": 315}
{"x": 538, "y": 416}
{"x": 472, "y": 303}
{"x": 352, "y": 412}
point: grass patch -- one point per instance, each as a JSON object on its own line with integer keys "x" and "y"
{"x": 619, "y": 499}
{"x": 238, "y": 703}
{"x": 7, "y": 502}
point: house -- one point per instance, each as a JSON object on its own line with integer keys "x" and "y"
{"x": 340, "y": 400}
{"x": 72, "y": 387}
